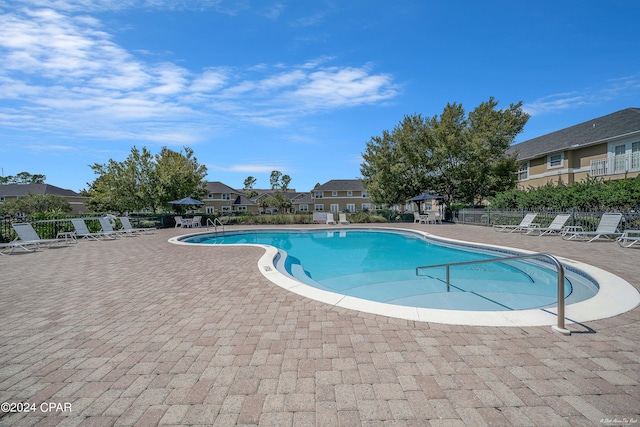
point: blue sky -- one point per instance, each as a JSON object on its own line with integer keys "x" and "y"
{"x": 295, "y": 86}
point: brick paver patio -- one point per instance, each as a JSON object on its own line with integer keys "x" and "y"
{"x": 141, "y": 332}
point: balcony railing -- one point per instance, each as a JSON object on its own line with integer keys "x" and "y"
{"x": 616, "y": 164}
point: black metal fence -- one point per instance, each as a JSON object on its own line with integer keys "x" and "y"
{"x": 48, "y": 229}
{"x": 588, "y": 220}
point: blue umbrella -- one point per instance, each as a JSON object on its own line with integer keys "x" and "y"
{"x": 425, "y": 196}
{"x": 186, "y": 201}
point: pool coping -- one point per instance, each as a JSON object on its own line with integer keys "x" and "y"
{"x": 616, "y": 295}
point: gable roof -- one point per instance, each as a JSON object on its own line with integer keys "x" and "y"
{"x": 341, "y": 184}
{"x": 42, "y": 189}
{"x": 615, "y": 125}
{"x": 219, "y": 187}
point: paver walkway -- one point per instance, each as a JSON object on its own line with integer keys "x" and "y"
{"x": 141, "y": 332}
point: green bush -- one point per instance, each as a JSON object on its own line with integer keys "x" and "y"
{"x": 592, "y": 194}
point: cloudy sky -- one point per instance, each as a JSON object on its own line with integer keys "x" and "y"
{"x": 296, "y": 86}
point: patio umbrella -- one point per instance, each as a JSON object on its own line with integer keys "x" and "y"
{"x": 186, "y": 201}
{"x": 179, "y": 204}
{"x": 424, "y": 196}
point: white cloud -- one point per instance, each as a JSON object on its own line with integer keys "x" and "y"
{"x": 626, "y": 86}
{"x": 249, "y": 168}
{"x": 63, "y": 73}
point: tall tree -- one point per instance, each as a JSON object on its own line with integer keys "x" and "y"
{"x": 461, "y": 158}
{"x": 275, "y": 179}
{"x": 145, "y": 181}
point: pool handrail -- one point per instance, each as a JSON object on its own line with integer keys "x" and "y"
{"x": 560, "y": 327}
{"x": 214, "y": 225}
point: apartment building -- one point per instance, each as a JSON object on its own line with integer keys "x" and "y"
{"x": 607, "y": 147}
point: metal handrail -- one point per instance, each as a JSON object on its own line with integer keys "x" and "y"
{"x": 214, "y": 225}
{"x": 560, "y": 328}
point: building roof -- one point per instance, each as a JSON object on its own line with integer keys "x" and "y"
{"x": 26, "y": 189}
{"x": 341, "y": 184}
{"x": 615, "y": 125}
{"x": 219, "y": 187}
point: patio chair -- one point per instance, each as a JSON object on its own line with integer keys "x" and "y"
{"x": 343, "y": 219}
{"x": 126, "y": 225}
{"x": 607, "y": 228}
{"x": 527, "y": 221}
{"x": 629, "y": 238}
{"x": 83, "y": 232}
{"x": 108, "y": 228}
{"x": 420, "y": 219}
{"x": 28, "y": 236}
{"x": 330, "y": 219}
{"x": 178, "y": 220}
{"x": 196, "y": 221}
{"x": 556, "y": 226}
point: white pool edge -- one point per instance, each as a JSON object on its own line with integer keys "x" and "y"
{"x": 616, "y": 295}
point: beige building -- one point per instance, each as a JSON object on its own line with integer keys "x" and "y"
{"x": 341, "y": 195}
{"x": 13, "y": 191}
{"x": 607, "y": 147}
{"x": 223, "y": 199}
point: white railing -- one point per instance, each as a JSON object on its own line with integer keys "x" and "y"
{"x": 616, "y": 164}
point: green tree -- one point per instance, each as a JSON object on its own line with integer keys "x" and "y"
{"x": 275, "y": 179}
{"x": 460, "y": 157}
{"x": 146, "y": 181}
{"x": 249, "y": 182}
{"x": 36, "y": 203}
{"x": 23, "y": 178}
{"x": 285, "y": 180}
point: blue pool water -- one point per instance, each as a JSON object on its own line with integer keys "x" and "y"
{"x": 381, "y": 266}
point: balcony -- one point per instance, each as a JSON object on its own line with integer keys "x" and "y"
{"x": 616, "y": 164}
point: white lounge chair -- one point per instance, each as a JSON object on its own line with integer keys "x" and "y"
{"x": 556, "y": 226}
{"x": 527, "y": 221}
{"x": 83, "y": 232}
{"x": 629, "y": 238}
{"x": 126, "y": 225}
{"x": 607, "y": 228}
{"x": 108, "y": 228}
{"x": 330, "y": 219}
{"x": 196, "y": 222}
{"x": 342, "y": 219}
{"x": 28, "y": 236}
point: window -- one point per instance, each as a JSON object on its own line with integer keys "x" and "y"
{"x": 635, "y": 157}
{"x": 523, "y": 172}
{"x": 351, "y": 207}
{"x": 334, "y": 193}
{"x": 318, "y": 207}
{"x": 364, "y": 194}
{"x": 349, "y": 193}
{"x": 619, "y": 160}
{"x": 210, "y": 209}
{"x": 210, "y": 196}
{"x": 555, "y": 160}
{"x": 366, "y": 207}
{"x": 304, "y": 208}
{"x": 226, "y": 208}
{"x": 241, "y": 208}
{"x": 318, "y": 194}
{"x": 334, "y": 208}
{"x": 226, "y": 196}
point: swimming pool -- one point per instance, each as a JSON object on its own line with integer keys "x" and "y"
{"x": 380, "y": 266}
{"x": 614, "y": 296}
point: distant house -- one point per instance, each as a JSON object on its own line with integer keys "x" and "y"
{"x": 13, "y": 191}
{"x": 222, "y": 198}
{"x": 341, "y": 195}
{"x": 607, "y": 147}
